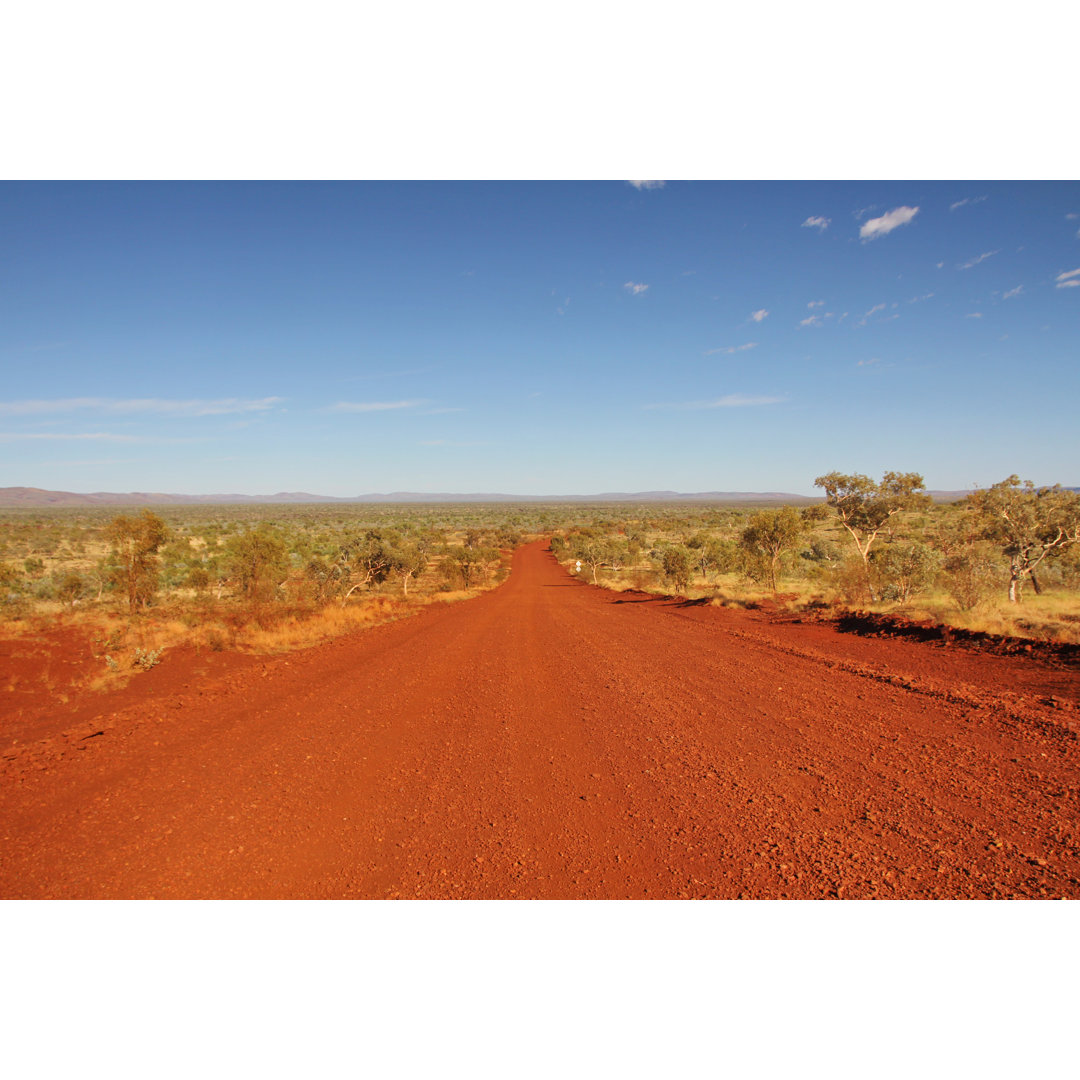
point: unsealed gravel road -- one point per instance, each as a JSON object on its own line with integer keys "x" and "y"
{"x": 552, "y": 740}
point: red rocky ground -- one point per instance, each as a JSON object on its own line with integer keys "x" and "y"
{"x": 550, "y": 739}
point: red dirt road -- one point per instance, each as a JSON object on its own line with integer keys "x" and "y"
{"x": 549, "y": 739}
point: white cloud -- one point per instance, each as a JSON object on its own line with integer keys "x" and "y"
{"x": 978, "y": 259}
{"x": 374, "y": 406}
{"x": 868, "y": 363}
{"x": 812, "y": 320}
{"x": 728, "y": 401}
{"x": 1013, "y": 292}
{"x": 207, "y": 407}
{"x": 1069, "y": 284}
{"x": 966, "y": 202}
{"x": 821, "y": 223}
{"x": 880, "y": 226}
{"x": 758, "y": 315}
{"x": 647, "y": 185}
{"x": 816, "y": 303}
{"x": 1068, "y": 280}
{"x": 1071, "y": 217}
{"x": 974, "y": 315}
{"x": 635, "y": 288}
{"x": 732, "y": 349}
{"x": 860, "y": 214}
{"x": 876, "y": 308}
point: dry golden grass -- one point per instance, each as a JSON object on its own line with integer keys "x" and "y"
{"x": 1053, "y": 616}
{"x": 127, "y": 645}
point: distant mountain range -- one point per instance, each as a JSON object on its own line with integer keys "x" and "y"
{"x": 26, "y": 496}
{"x": 30, "y": 497}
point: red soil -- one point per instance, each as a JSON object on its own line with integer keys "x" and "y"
{"x": 550, "y": 739}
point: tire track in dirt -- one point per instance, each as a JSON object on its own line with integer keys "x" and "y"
{"x": 550, "y": 739}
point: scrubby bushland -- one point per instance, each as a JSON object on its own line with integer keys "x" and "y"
{"x": 257, "y": 561}
{"x": 877, "y": 544}
{"x": 264, "y": 578}
{"x": 678, "y": 564}
{"x": 902, "y": 571}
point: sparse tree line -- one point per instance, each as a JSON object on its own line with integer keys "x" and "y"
{"x": 258, "y": 564}
{"x": 876, "y": 541}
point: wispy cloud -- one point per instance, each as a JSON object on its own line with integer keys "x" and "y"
{"x": 375, "y": 406}
{"x": 731, "y": 349}
{"x": 635, "y": 288}
{"x": 868, "y": 315}
{"x": 728, "y": 401}
{"x": 968, "y": 202}
{"x": 758, "y": 315}
{"x": 978, "y": 259}
{"x": 1013, "y": 292}
{"x": 94, "y": 436}
{"x": 860, "y": 214}
{"x": 816, "y": 303}
{"x": 647, "y": 185}
{"x": 973, "y": 315}
{"x": 868, "y": 363}
{"x": 1069, "y": 280}
{"x": 131, "y": 406}
{"x": 820, "y": 223}
{"x": 811, "y": 320}
{"x": 881, "y": 226}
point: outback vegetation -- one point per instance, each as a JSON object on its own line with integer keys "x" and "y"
{"x": 881, "y": 546}
{"x": 269, "y": 578}
{"x": 257, "y": 578}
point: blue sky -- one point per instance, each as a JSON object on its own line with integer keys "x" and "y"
{"x": 532, "y": 338}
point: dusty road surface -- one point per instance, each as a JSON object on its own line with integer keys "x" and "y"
{"x": 553, "y": 740}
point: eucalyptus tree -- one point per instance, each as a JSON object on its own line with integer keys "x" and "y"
{"x": 364, "y": 561}
{"x": 1027, "y": 523}
{"x": 866, "y": 507}
{"x": 770, "y": 534}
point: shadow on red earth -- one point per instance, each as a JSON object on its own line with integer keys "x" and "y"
{"x": 868, "y": 624}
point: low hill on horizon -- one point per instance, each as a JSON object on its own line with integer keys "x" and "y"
{"x": 31, "y": 497}
{"x": 39, "y": 497}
